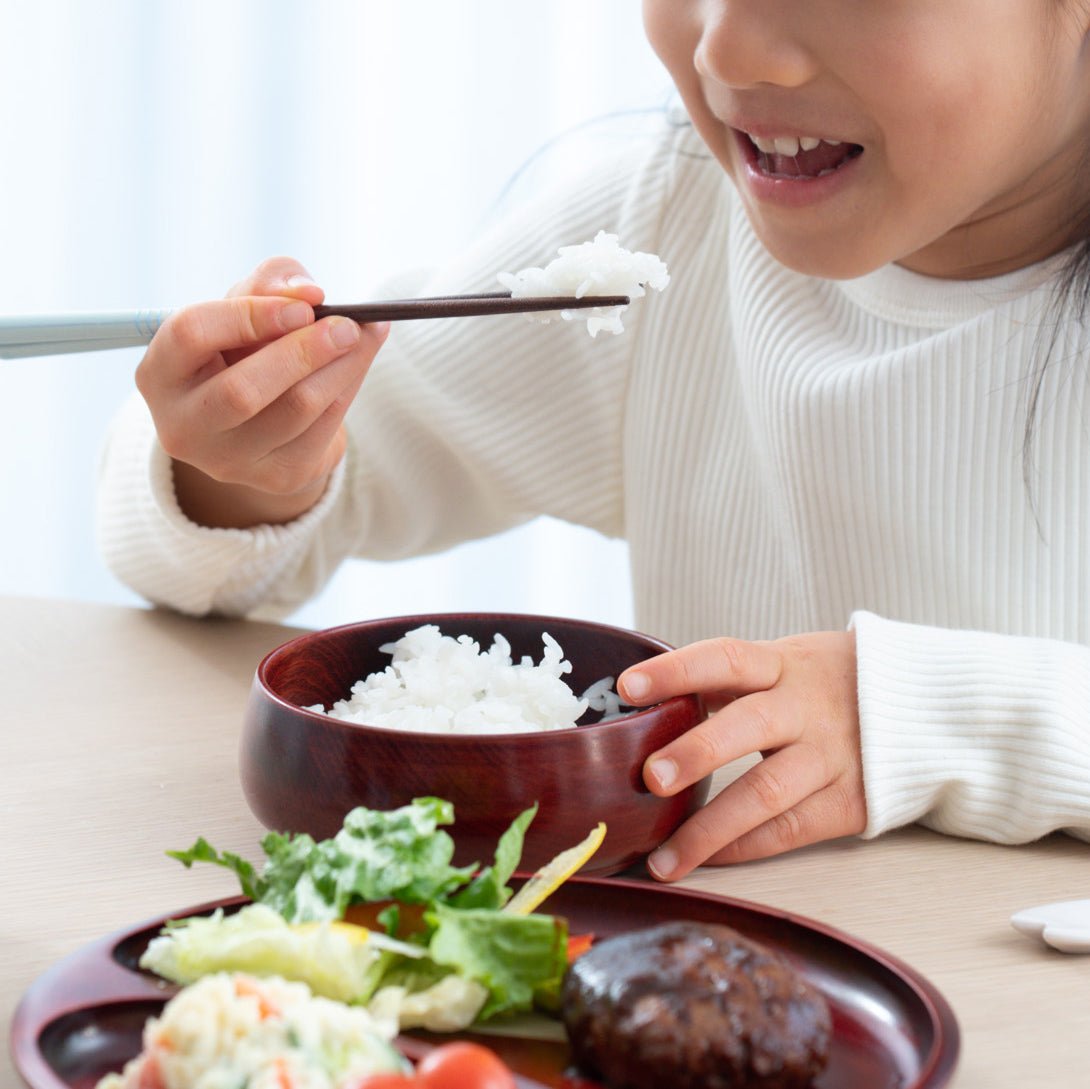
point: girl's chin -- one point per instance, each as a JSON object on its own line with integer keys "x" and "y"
{"x": 826, "y": 258}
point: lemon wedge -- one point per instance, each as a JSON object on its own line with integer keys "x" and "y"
{"x": 353, "y": 934}
{"x": 553, "y": 874}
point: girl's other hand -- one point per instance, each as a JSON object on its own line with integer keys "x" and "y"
{"x": 794, "y": 701}
{"x": 249, "y": 393}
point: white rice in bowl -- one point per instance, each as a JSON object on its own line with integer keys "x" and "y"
{"x": 599, "y": 267}
{"x": 232, "y": 1031}
{"x": 438, "y": 683}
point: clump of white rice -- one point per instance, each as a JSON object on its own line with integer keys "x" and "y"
{"x": 599, "y": 267}
{"x": 235, "y": 1030}
{"x": 443, "y": 684}
{"x": 603, "y": 698}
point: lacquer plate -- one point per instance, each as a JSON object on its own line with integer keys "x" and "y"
{"x": 892, "y": 1029}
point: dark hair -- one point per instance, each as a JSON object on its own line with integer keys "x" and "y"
{"x": 1068, "y": 310}
{"x": 1056, "y": 351}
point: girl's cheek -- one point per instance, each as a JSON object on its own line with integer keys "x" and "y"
{"x": 669, "y": 30}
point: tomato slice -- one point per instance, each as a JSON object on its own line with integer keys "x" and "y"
{"x": 463, "y": 1065}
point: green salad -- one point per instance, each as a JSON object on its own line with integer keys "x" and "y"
{"x": 442, "y": 953}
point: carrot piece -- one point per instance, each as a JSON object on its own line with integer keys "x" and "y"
{"x": 578, "y": 944}
{"x": 245, "y": 987}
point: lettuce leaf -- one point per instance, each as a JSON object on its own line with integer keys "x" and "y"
{"x": 334, "y": 960}
{"x": 203, "y": 851}
{"x": 511, "y": 955}
{"x": 489, "y": 889}
{"x": 399, "y": 854}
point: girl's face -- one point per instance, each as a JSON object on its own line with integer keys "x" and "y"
{"x": 946, "y": 135}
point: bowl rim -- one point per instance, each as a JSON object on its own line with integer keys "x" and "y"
{"x": 455, "y": 739}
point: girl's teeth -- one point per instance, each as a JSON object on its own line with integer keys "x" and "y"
{"x": 789, "y": 145}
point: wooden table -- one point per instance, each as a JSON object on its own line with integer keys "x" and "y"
{"x": 119, "y": 740}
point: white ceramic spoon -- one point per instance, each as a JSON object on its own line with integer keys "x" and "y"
{"x": 1065, "y": 925}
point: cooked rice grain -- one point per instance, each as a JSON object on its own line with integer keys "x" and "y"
{"x": 440, "y": 684}
{"x": 599, "y": 267}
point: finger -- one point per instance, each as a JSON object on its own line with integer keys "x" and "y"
{"x": 195, "y": 338}
{"x": 306, "y": 447}
{"x": 764, "y": 792}
{"x": 264, "y": 452}
{"x": 293, "y": 412}
{"x": 239, "y": 393}
{"x": 285, "y": 447}
{"x": 280, "y": 276}
{"x": 827, "y": 814}
{"x": 724, "y": 666}
{"x": 314, "y": 453}
{"x": 754, "y": 723}
{"x": 297, "y": 410}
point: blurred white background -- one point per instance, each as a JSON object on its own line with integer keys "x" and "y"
{"x": 153, "y": 152}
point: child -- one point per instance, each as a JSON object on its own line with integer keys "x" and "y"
{"x": 848, "y": 446}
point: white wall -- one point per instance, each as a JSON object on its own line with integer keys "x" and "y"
{"x": 154, "y": 151}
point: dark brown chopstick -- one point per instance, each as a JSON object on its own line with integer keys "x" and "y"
{"x": 64, "y": 334}
{"x": 463, "y": 306}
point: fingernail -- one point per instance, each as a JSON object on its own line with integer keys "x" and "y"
{"x": 636, "y": 685}
{"x": 300, "y": 279}
{"x": 295, "y": 315}
{"x": 343, "y": 332}
{"x": 664, "y": 770}
{"x": 662, "y": 862}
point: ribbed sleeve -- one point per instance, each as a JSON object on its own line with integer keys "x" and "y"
{"x": 154, "y": 548}
{"x": 979, "y": 734}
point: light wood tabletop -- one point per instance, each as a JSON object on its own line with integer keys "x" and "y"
{"x": 119, "y": 738}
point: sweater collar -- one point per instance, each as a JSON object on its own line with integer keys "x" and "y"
{"x": 908, "y": 298}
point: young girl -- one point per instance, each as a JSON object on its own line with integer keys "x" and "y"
{"x": 849, "y": 446}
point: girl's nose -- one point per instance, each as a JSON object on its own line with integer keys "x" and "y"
{"x": 744, "y": 43}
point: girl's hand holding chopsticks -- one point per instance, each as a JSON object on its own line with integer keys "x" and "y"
{"x": 248, "y": 395}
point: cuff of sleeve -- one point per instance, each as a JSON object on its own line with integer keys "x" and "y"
{"x": 150, "y": 544}
{"x": 972, "y": 733}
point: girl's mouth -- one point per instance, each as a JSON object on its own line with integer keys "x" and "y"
{"x": 797, "y": 157}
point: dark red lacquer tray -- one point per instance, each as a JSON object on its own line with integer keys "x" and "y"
{"x": 891, "y": 1028}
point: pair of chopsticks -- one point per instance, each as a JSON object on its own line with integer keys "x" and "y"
{"x": 64, "y": 334}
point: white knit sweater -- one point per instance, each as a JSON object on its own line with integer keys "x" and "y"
{"x": 783, "y": 454}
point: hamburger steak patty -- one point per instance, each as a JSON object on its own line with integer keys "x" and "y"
{"x": 693, "y": 1006}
